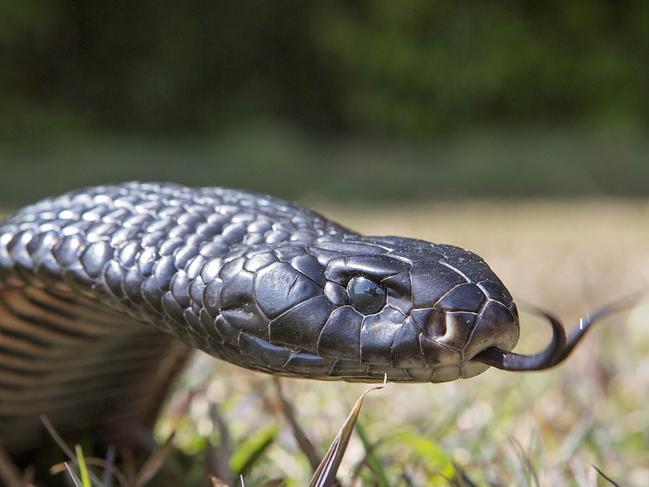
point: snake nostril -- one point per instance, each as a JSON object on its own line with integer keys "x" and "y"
{"x": 435, "y": 326}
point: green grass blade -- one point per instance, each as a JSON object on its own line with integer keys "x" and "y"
{"x": 437, "y": 460}
{"x": 65, "y": 448}
{"x": 250, "y": 450}
{"x": 83, "y": 468}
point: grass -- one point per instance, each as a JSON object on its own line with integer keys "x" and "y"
{"x": 282, "y": 160}
{"x": 577, "y": 425}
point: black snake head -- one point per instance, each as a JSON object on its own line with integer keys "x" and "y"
{"x": 363, "y": 307}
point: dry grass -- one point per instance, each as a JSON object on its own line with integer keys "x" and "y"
{"x": 499, "y": 428}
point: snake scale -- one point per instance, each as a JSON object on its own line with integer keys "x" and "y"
{"x": 105, "y": 291}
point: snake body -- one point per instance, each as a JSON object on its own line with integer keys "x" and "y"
{"x": 105, "y": 291}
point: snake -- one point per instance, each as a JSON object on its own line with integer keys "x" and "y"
{"x": 105, "y": 292}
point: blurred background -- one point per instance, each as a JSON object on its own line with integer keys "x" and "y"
{"x": 517, "y": 129}
{"x": 345, "y": 100}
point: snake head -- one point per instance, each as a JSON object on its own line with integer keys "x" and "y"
{"x": 360, "y": 308}
{"x": 421, "y": 311}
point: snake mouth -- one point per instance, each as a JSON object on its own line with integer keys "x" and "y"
{"x": 560, "y": 346}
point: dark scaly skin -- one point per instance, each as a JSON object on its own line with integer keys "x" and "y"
{"x": 253, "y": 280}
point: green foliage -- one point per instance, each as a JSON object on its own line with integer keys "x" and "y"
{"x": 372, "y": 99}
{"x": 420, "y": 67}
{"x": 252, "y": 448}
{"x": 501, "y": 165}
{"x": 83, "y": 469}
{"x": 373, "y": 461}
{"x": 429, "y": 452}
{"x": 415, "y": 68}
{"x": 157, "y": 65}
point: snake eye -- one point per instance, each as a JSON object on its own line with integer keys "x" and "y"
{"x": 365, "y": 296}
